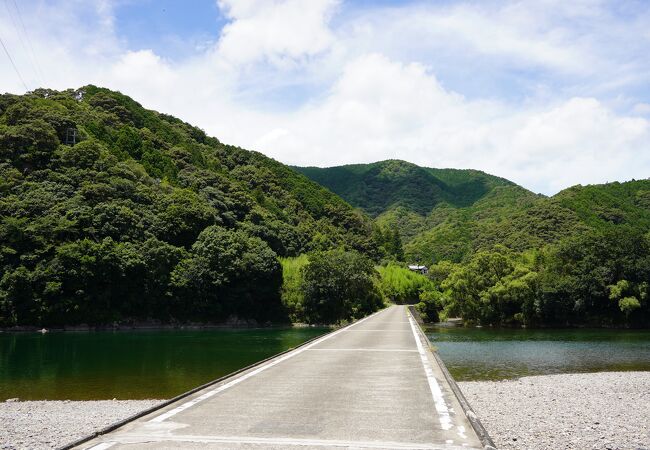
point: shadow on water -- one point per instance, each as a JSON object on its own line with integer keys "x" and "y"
{"x": 494, "y": 354}
{"x": 131, "y": 364}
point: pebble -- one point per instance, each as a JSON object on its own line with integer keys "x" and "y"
{"x": 605, "y": 410}
{"x": 52, "y": 424}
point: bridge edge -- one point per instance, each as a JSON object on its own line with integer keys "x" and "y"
{"x": 472, "y": 417}
{"x": 116, "y": 425}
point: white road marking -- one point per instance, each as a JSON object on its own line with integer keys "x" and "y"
{"x": 362, "y": 350}
{"x": 331, "y": 443}
{"x": 262, "y": 368}
{"x": 102, "y": 446}
{"x": 378, "y": 329}
{"x": 436, "y": 393}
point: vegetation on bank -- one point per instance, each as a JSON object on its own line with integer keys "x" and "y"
{"x": 501, "y": 255}
{"x": 146, "y": 217}
{"x": 400, "y": 285}
{"x": 594, "y": 279}
{"x": 330, "y": 287}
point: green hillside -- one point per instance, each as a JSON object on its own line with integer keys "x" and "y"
{"x": 525, "y": 223}
{"x": 383, "y": 186}
{"x": 449, "y": 214}
{"x": 501, "y": 255}
{"x": 147, "y": 217}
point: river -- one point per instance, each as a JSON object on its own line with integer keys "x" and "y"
{"x": 164, "y": 363}
{"x": 493, "y": 354}
{"x": 131, "y": 364}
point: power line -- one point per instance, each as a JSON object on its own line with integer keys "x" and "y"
{"x": 13, "y": 64}
{"x": 20, "y": 37}
{"x": 29, "y": 43}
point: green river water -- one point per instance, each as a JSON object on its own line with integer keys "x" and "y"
{"x": 131, "y": 364}
{"x": 164, "y": 363}
{"x": 494, "y": 354}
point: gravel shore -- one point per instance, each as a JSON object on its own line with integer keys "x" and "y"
{"x": 607, "y": 410}
{"x": 51, "y": 424}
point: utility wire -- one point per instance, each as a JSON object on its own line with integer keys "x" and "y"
{"x": 13, "y": 64}
{"x": 29, "y": 43}
{"x": 20, "y": 37}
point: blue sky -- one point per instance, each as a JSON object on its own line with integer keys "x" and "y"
{"x": 171, "y": 28}
{"x": 547, "y": 93}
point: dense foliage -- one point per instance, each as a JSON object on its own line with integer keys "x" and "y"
{"x": 389, "y": 242}
{"x": 331, "y": 286}
{"x": 293, "y": 297}
{"x": 146, "y": 217}
{"x": 400, "y": 285}
{"x": 595, "y": 278}
{"x": 382, "y": 186}
{"x": 502, "y": 255}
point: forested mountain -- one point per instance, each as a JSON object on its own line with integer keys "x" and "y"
{"x": 383, "y": 186}
{"x": 111, "y": 211}
{"x": 449, "y": 214}
{"x": 501, "y": 255}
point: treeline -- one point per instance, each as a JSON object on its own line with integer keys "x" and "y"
{"x": 327, "y": 287}
{"x": 502, "y": 255}
{"x": 330, "y": 286}
{"x": 146, "y": 217}
{"x": 597, "y": 278}
{"x": 111, "y": 212}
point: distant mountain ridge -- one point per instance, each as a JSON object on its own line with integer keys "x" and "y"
{"x": 449, "y": 214}
{"x": 384, "y": 185}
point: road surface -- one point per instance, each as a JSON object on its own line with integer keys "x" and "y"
{"x": 374, "y": 384}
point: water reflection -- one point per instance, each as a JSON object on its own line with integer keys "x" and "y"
{"x": 131, "y": 364}
{"x": 490, "y": 354}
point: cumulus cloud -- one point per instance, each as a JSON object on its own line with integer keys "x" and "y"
{"x": 542, "y": 94}
{"x": 274, "y": 31}
{"x": 382, "y": 109}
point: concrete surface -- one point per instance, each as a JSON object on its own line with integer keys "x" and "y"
{"x": 373, "y": 384}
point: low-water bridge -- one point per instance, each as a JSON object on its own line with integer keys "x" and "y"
{"x": 374, "y": 384}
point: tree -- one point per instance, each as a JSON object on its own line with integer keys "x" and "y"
{"x": 29, "y": 146}
{"x": 493, "y": 288}
{"x": 82, "y": 155}
{"x": 585, "y": 278}
{"x": 339, "y": 285}
{"x": 228, "y": 273}
{"x": 184, "y": 215}
{"x": 627, "y": 304}
{"x": 91, "y": 282}
{"x": 17, "y": 303}
{"x": 394, "y": 243}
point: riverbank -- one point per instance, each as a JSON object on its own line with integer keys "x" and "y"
{"x": 232, "y": 325}
{"x": 51, "y": 424}
{"x": 606, "y": 410}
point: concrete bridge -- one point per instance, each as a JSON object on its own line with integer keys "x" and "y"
{"x": 374, "y": 384}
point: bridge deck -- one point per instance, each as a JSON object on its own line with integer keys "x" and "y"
{"x": 373, "y": 384}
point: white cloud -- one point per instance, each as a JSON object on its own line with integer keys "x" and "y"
{"x": 579, "y": 141}
{"x": 641, "y": 108}
{"x": 144, "y": 69}
{"x": 275, "y": 31}
{"x": 383, "y": 95}
{"x": 381, "y": 109}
